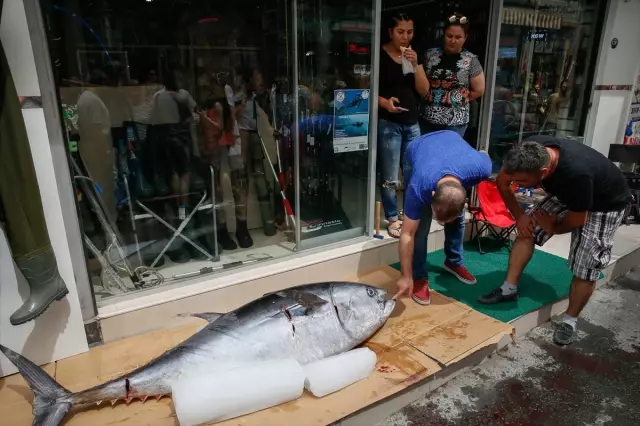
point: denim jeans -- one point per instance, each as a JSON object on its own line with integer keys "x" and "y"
{"x": 453, "y": 240}
{"x": 426, "y": 127}
{"x": 393, "y": 139}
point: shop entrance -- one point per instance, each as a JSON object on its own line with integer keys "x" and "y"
{"x": 429, "y": 18}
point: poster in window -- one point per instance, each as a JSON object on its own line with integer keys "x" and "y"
{"x": 350, "y": 120}
{"x": 632, "y": 132}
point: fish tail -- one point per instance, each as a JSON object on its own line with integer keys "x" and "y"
{"x": 51, "y": 403}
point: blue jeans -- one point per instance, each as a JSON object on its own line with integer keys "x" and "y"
{"x": 453, "y": 239}
{"x": 393, "y": 139}
{"x": 426, "y": 127}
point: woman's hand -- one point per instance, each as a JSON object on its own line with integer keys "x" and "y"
{"x": 411, "y": 56}
{"x": 391, "y": 107}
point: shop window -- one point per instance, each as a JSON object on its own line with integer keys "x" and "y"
{"x": 180, "y": 119}
{"x": 544, "y": 70}
{"x": 334, "y": 71}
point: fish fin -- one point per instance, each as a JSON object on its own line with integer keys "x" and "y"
{"x": 207, "y": 316}
{"x": 51, "y": 401}
{"x": 304, "y": 298}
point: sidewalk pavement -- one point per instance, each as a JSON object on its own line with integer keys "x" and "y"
{"x": 595, "y": 381}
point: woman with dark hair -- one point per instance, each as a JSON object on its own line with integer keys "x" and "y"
{"x": 402, "y": 83}
{"x": 455, "y": 78}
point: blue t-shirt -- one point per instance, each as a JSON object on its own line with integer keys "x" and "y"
{"x": 433, "y": 156}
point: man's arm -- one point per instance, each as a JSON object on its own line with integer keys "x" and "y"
{"x": 406, "y": 245}
{"x": 572, "y": 220}
{"x": 503, "y": 182}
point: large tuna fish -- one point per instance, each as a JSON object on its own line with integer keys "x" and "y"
{"x": 306, "y": 323}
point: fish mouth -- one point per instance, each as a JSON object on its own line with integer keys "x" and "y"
{"x": 389, "y": 306}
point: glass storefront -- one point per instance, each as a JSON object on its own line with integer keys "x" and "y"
{"x": 546, "y": 52}
{"x": 206, "y": 136}
{"x": 181, "y": 119}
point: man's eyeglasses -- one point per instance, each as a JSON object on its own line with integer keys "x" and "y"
{"x": 458, "y": 19}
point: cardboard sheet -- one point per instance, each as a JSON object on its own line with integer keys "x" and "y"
{"x": 415, "y": 343}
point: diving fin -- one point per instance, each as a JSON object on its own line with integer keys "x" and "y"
{"x": 51, "y": 401}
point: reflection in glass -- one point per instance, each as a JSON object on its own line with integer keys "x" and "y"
{"x": 334, "y": 57}
{"x": 171, "y": 110}
{"x": 544, "y": 59}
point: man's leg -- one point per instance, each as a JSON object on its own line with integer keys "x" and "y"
{"x": 521, "y": 253}
{"x": 590, "y": 252}
{"x": 579, "y": 295}
{"x": 453, "y": 249}
{"x": 421, "y": 292}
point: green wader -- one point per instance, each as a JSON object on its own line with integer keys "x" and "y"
{"x": 20, "y": 198}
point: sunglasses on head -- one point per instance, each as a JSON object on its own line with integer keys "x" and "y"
{"x": 455, "y": 19}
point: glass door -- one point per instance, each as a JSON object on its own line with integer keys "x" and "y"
{"x": 544, "y": 70}
{"x": 334, "y": 42}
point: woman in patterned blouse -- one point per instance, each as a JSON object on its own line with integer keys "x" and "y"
{"x": 455, "y": 79}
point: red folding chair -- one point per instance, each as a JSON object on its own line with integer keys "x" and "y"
{"x": 491, "y": 215}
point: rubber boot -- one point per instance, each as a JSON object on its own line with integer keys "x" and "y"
{"x": 224, "y": 238}
{"x": 197, "y": 183}
{"x": 45, "y": 284}
{"x": 192, "y": 232}
{"x": 242, "y": 234}
{"x": 268, "y": 221}
{"x": 161, "y": 187}
{"x": 207, "y": 241}
{"x": 144, "y": 190}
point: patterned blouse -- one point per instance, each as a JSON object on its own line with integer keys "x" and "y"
{"x": 448, "y": 75}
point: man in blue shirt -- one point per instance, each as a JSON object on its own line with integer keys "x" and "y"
{"x": 439, "y": 167}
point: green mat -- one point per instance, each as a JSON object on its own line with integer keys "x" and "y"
{"x": 545, "y": 280}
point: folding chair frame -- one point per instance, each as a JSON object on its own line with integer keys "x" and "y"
{"x": 479, "y": 227}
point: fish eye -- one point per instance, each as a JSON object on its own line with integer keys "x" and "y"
{"x": 371, "y": 292}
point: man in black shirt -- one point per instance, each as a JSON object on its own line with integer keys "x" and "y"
{"x": 587, "y": 196}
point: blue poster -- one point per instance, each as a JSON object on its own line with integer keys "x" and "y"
{"x": 350, "y": 120}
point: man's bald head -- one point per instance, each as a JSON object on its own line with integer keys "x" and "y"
{"x": 448, "y": 200}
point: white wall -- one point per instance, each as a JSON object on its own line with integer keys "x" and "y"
{"x": 59, "y": 332}
{"x": 619, "y": 66}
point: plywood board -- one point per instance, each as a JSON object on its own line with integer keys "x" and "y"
{"x": 106, "y": 362}
{"x": 415, "y": 343}
{"x": 15, "y": 398}
{"x": 395, "y": 371}
{"x": 458, "y": 336}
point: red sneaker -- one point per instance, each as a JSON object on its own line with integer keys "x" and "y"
{"x": 461, "y": 273}
{"x": 421, "y": 293}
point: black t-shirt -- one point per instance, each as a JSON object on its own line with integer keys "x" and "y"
{"x": 393, "y": 83}
{"x": 584, "y": 179}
